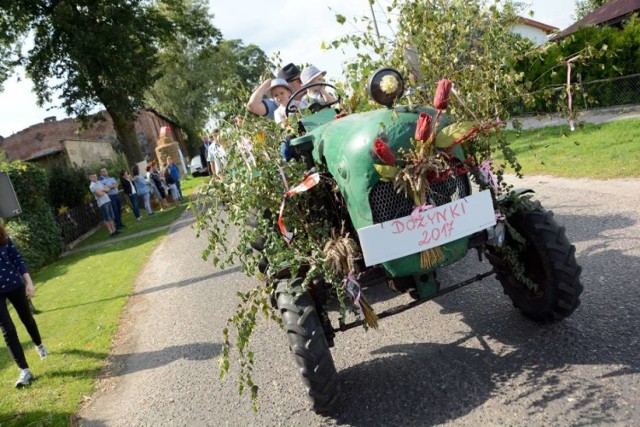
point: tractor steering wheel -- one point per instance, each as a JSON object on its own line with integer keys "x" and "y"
{"x": 290, "y": 108}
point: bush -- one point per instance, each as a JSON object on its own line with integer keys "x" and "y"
{"x": 35, "y": 231}
{"x": 68, "y": 186}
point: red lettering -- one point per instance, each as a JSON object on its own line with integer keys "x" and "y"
{"x": 434, "y": 235}
{"x": 411, "y": 224}
{"x": 431, "y": 217}
{"x": 464, "y": 211}
{"x": 421, "y": 223}
{"x": 454, "y": 211}
{"x": 449, "y": 227}
{"x": 399, "y": 227}
{"x": 441, "y": 215}
{"x": 425, "y": 238}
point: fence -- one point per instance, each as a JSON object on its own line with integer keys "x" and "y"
{"x": 613, "y": 92}
{"x": 79, "y": 220}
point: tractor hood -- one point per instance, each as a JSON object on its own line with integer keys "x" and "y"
{"x": 345, "y": 147}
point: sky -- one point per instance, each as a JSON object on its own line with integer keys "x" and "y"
{"x": 294, "y": 28}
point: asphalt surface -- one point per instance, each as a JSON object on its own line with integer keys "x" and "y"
{"x": 467, "y": 358}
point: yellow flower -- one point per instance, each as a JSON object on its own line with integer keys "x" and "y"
{"x": 388, "y": 84}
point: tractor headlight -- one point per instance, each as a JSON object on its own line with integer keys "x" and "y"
{"x": 385, "y": 86}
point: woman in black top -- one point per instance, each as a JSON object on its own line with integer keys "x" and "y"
{"x": 17, "y": 287}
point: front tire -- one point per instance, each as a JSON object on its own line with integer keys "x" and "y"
{"x": 548, "y": 259}
{"x": 308, "y": 344}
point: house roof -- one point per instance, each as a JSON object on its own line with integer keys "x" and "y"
{"x": 610, "y": 13}
{"x": 536, "y": 24}
{"x": 44, "y": 153}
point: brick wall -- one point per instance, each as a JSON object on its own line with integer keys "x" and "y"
{"x": 46, "y": 137}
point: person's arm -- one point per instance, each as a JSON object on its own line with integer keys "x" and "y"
{"x": 99, "y": 192}
{"x": 328, "y": 99}
{"x": 255, "y": 104}
{"x": 28, "y": 285}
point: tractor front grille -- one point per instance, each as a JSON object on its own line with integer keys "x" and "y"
{"x": 386, "y": 204}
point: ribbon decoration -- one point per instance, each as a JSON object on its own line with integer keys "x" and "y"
{"x": 419, "y": 209}
{"x": 352, "y": 287}
{"x": 246, "y": 152}
{"x": 572, "y": 124}
{"x": 306, "y": 184}
{"x": 487, "y": 173}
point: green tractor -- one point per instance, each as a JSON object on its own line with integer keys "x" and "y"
{"x": 394, "y": 232}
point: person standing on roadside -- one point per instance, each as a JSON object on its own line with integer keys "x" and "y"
{"x": 143, "y": 189}
{"x": 129, "y": 188}
{"x": 174, "y": 170}
{"x": 104, "y": 204}
{"x": 217, "y": 154}
{"x": 17, "y": 287}
{"x": 204, "y": 153}
{"x": 114, "y": 196}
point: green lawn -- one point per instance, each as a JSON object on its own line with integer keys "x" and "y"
{"x": 80, "y": 299}
{"x": 609, "y": 150}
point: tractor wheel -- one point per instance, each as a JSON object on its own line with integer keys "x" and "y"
{"x": 548, "y": 260}
{"x": 308, "y": 344}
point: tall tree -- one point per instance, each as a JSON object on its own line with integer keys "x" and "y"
{"x": 585, "y": 7}
{"x": 104, "y": 51}
{"x": 200, "y": 81}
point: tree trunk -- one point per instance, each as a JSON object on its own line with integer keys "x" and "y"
{"x": 126, "y": 132}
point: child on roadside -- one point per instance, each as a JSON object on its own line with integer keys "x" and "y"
{"x": 17, "y": 287}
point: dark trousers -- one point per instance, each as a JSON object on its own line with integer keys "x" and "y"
{"x": 179, "y": 189}
{"x": 117, "y": 210}
{"x": 18, "y": 298}
{"x": 134, "y": 205}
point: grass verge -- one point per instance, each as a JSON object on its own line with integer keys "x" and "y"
{"x": 608, "y": 150}
{"x": 80, "y": 299}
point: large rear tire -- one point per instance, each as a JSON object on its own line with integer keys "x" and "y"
{"x": 549, "y": 261}
{"x": 308, "y": 344}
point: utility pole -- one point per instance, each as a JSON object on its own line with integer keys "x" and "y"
{"x": 375, "y": 23}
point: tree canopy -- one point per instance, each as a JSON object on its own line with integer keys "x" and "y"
{"x": 200, "y": 81}
{"x": 103, "y": 51}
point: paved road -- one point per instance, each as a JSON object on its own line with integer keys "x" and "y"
{"x": 466, "y": 359}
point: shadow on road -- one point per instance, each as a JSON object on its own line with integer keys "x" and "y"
{"x": 566, "y": 367}
{"x": 190, "y": 281}
{"x": 121, "y": 364}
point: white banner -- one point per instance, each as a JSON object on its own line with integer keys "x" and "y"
{"x": 427, "y": 228}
